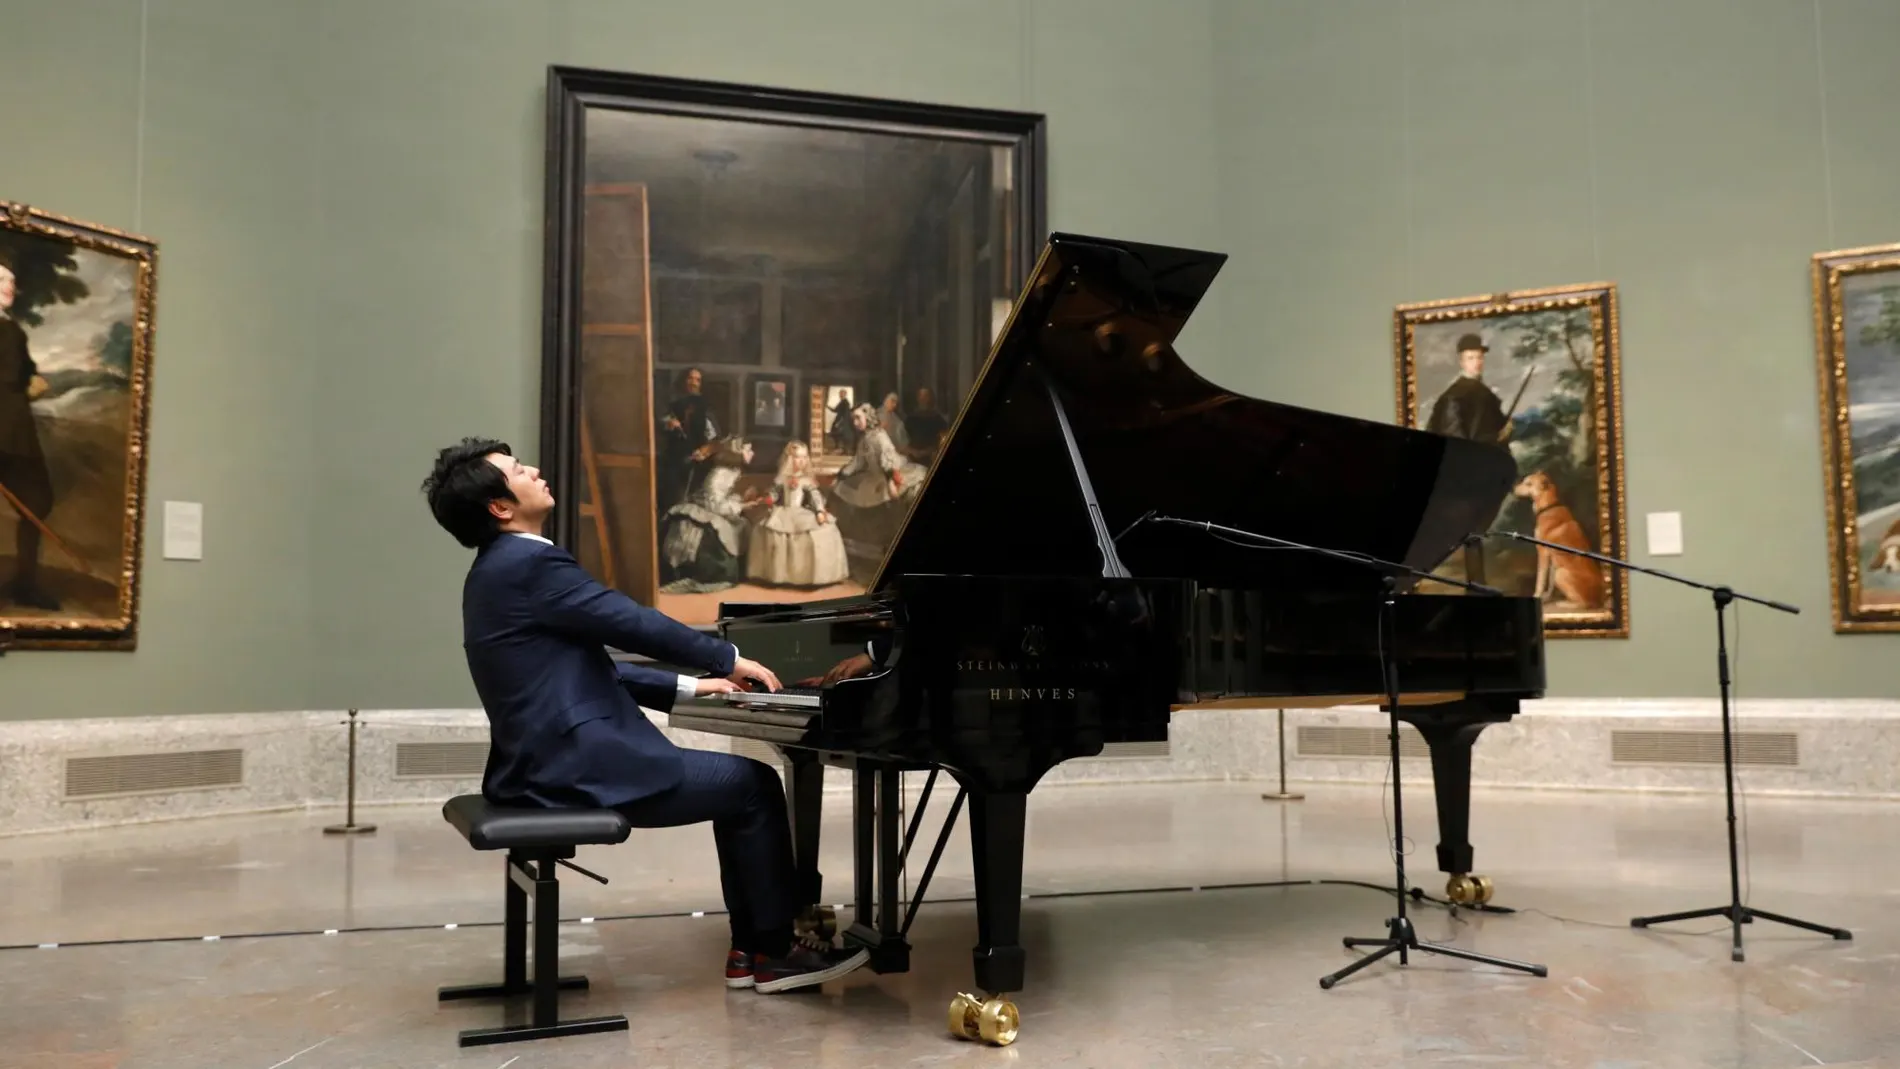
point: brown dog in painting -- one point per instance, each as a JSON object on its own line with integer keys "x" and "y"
{"x": 1578, "y": 580}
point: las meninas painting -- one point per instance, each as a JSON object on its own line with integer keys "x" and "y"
{"x": 1857, "y": 334}
{"x": 1537, "y": 372}
{"x": 75, "y": 344}
{"x": 769, "y": 306}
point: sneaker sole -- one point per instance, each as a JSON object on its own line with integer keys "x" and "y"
{"x": 810, "y": 979}
{"x": 738, "y": 982}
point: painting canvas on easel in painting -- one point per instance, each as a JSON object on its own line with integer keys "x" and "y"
{"x": 764, "y": 309}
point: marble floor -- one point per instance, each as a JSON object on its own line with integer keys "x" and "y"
{"x": 1192, "y": 962}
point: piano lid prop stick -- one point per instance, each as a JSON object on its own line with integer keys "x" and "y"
{"x": 349, "y": 825}
{"x": 1282, "y": 795}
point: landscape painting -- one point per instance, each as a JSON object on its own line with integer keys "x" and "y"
{"x": 1539, "y": 373}
{"x": 76, "y": 306}
{"x": 763, "y": 307}
{"x": 1857, "y": 344}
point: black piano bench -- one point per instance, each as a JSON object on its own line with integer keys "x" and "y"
{"x": 537, "y": 840}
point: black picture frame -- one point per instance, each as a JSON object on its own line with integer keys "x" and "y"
{"x": 580, "y": 521}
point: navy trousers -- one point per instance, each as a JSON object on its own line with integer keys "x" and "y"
{"x": 745, "y": 801}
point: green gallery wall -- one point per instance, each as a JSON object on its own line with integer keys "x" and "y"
{"x": 347, "y": 197}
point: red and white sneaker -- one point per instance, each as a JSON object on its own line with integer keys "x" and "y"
{"x": 738, "y": 969}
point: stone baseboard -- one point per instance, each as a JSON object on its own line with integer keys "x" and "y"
{"x": 70, "y": 774}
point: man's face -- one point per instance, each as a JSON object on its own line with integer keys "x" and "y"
{"x": 533, "y": 500}
{"x": 692, "y": 382}
{"x": 6, "y": 289}
{"x": 1472, "y": 361}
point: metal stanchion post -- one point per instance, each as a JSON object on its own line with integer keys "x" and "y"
{"x": 349, "y": 825}
{"x": 1282, "y": 795}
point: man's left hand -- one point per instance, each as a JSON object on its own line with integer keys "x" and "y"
{"x": 703, "y": 687}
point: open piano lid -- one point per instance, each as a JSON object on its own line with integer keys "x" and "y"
{"x": 1095, "y": 328}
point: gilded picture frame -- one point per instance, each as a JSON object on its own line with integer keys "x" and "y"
{"x": 1856, "y": 300}
{"x": 1557, "y": 405}
{"x": 77, "y": 308}
{"x": 712, "y": 250}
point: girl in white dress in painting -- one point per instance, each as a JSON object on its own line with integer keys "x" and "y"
{"x": 798, "y": 542}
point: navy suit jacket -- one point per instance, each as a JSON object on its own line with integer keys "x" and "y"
{"x": 564, "y": 719}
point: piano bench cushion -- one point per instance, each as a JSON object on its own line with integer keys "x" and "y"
{"x": 487, "y": 826}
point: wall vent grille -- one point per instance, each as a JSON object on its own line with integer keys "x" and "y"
{"x": 1313, "y": 740}
{"x": 440, "y": 760}
{"x": 121, "y": 775}
{"x": 1775, "y": 748}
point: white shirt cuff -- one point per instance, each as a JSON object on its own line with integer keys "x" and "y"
{"x": 686, "y": 686}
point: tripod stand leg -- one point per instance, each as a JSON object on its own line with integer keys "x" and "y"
{"x": 1838, "y": 933}
{"x": 1484, "y": 959}
{"x": 1689, "y": 915}
{"x": 1389, "y": 945}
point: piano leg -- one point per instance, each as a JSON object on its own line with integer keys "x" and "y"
{"x": 804, "y": 800}
{"x": 1450, "y": 731}
{"x": 997, "y": 825}
{"x": 877, "y": 826}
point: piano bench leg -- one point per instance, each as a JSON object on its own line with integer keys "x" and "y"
{"x": 531, "y": 876}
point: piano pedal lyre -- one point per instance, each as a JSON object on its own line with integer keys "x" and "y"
{"x": 1467, "y": 890}
{"x": 995, "y": 1021}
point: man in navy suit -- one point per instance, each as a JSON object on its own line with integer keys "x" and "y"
{"x": 565, "y": 723}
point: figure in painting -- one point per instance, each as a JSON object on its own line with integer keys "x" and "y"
{"x": 23, "y": 471}
{"x": 877, "y": 473}
{"x": 704, "y": 536}
{"x": 1468, "y": 408}
{"x": 687, "y": 436}
{"x": 926, "y": 426}
{"x": 892, "y": 421}
{"x": 798, "y": 542}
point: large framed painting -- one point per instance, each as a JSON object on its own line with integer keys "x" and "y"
{"x": 76, "y": 306}
{"x": 1857, "y": 349}
{"x": 763, "y": 310}
{"x": 1539, "y": 372}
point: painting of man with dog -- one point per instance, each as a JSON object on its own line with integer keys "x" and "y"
{"x": 1857, "y": 336}
{"x": 75, "y": 343}
{"x": 1537, "y": 372}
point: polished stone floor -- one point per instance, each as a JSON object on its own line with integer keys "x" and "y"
{"x": 1162, "y": 974}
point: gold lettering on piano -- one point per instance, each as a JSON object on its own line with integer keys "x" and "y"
{"x": 1026, "y": 694}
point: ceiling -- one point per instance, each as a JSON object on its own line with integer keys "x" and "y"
{"x": 756, "y": 196}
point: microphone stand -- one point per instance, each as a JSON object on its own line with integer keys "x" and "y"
{"x": 1401, "y": 937}
{"x": 1737, "y": 913}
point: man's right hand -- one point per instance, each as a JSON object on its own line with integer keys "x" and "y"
{"x": 744, "y": 669}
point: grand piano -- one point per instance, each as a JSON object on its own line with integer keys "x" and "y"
{"x": 1032, "y": 611}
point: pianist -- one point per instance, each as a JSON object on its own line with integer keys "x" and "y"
{"x": 565, "y": 723}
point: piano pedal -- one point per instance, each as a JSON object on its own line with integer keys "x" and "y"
{"x": 995, "y": 1022}
{"x": 1467, "y": 890}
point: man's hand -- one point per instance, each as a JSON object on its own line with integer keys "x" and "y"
{"x": 744, "y": 669}
{"x": 37, "y": 388}
{"x": 703, "y": 687}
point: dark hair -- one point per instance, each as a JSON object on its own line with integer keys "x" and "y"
{"x": 461, "y": 485}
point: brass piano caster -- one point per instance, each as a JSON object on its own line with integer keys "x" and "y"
{"x": 994, "y": 1022}
{"x": 819, "y": 922}
{"x": 1467, "y": 890}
